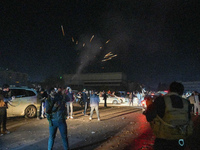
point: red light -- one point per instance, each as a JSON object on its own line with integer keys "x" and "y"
{"x": 143, "y": 103}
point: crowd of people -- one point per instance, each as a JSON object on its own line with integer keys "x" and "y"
{"x": 83, "y": 98}
{"x": 165, "y": 113}
{"x": 58, "y": 103}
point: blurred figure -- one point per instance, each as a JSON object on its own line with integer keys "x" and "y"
{"x": 131, "y": 99}
{"x": 94, "y": 104}
{"x": 70, "y": 102}
{"x": 100, "y": 94}
{"x": 105, "y": 98}
{"x": 196, "y": 103}
{"x": 170, "y": 119}
{"x": 42, "y": 96}
{"x": 85, "y": 100}
{"x": 80, "y": 99}
{"x": 191, "y": 100}
{"x": 5, "y": 97}
{"x": 139, "y": 98}
{"x": 55, "y": 111}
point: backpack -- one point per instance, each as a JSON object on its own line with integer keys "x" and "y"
{"x": 2, "y": 103}
{"x": 175, "y": 123}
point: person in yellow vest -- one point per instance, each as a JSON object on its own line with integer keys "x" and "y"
{"x": 170, "y": 119}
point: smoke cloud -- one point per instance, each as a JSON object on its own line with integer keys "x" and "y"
{"x": 88, "y": 48}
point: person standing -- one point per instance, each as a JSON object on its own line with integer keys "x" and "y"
{"x": 191, "y": 100}
{"x": 5, "y": 97}
{"x": 55, "y": 111}
{"x": 42, "y": 96}
{"x": 139, "y": 98}
{"x": 70, "y": 102}
{"x": 105, "y": 98}
{"x": 94, "y": 104}
{"x": 196, "y": 104}
{"x": 85, "y": 100}
{"x": 131, "y": 99}
{"x": 170, "y": 119}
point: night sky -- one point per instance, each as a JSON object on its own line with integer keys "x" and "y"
{"x": 155, "y": 40}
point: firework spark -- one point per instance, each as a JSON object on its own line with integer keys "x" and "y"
{"x": 107, "y": 55}
{"x": 72, "y": 39}
{"x": 62, "y": 30}
{"x": 113, "y": 56}
{"x": 91, "y": 38}
{"x": 107, "y": 59}
{"x": 107, "y": 41}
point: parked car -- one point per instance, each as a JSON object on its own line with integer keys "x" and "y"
{"x": 121, "y": 99}
{"x": 110, "y": 99}
{"x": 24, "y": 104}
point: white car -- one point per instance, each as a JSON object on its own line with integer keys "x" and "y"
{"x": 110, "y": 99}
{"x": 122, "y": 99}
{"x": 24, "y": 104}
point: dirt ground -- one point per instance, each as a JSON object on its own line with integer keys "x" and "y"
{"x": 120, "y": 128}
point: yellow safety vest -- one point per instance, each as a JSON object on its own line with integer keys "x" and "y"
{"x": 175, "y": 123}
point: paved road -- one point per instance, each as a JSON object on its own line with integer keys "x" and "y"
{"x": 120, "y": 128}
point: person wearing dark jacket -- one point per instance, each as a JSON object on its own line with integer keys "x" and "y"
{"x": 85, "y": 100}
{"x": 105, "y": 98}
{"x": 70, "y": 101}
{"x": 56, "y": 114}
{"x": 42, "y": 96}
{"x": 170, "y": 119}
{"x": 5, "y": 97}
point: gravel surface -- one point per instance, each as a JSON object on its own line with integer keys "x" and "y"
{"x": 120, "y": 128}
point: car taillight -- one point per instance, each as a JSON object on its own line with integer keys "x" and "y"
{"x": 143, "y": 102}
